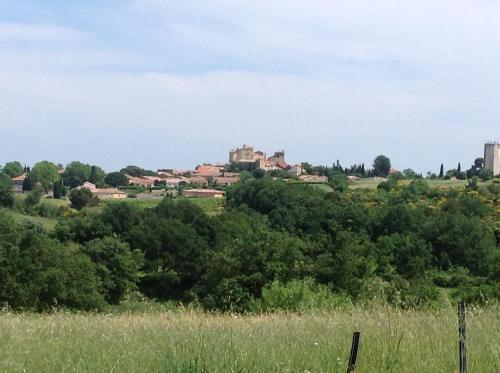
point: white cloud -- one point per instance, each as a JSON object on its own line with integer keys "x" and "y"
{"x": 322, "y": 79}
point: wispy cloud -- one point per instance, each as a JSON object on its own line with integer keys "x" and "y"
{"x": 322, "y": 79}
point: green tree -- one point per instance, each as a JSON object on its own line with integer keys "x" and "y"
{"x": 13, "y": 169}
{"x": 76, "y": 173}
{"x": 381, "y": 166}
{"x": 58, "y": 189}
{"x": 33, "y": 198}
{"x": 6, "y": 194}
{"x": 346, "y": 263}
{"x": 45, "y": 173}
{"x": 116, "y": 179}
{"x": 79, "y": 198}
{"x": 136, "y": 171}
{"x": 27, "y": 183}
{"x": 39, "y": 273}
{"x": 441, "y": 171}
{"x": 117, "y": 266}
{"x": 97, "y": 175}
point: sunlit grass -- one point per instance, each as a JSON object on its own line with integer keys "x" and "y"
{"x": 193, "y": 341}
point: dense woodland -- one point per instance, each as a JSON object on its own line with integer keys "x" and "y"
{"x": 407, "y": 245}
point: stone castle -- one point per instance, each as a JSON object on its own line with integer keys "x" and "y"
{"x": 248, "y": 158}
{"x": 492, "y": 157}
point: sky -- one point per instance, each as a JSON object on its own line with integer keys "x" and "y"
{"x": 173, "y": 84}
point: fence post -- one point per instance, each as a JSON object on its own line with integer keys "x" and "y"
{"x": 462, "y": 330}
{"x": 354, "y": 352}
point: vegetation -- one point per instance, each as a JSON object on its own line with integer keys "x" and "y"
{"x": 116, "y": 179}
{"x": 77, "y": 173}
{"x": 191, "y": 341}
{"x": 80, "y": 198}
{"x": 276, "y": 241}
{"x": 381, "y": 165}
{"x": 46, "y": 174}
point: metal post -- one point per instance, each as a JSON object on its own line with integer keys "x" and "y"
{"x": 462, "y": 330}
{"x": 354, "y": 352}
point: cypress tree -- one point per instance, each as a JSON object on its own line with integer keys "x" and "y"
{"x": 58, "y": 190}
{"x": 441, "y": 171}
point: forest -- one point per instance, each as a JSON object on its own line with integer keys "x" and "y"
{"x": 275, "y": 245}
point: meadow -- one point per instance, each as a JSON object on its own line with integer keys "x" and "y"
{"x": 182, "y": 340}
{"x": 373, "y": 182}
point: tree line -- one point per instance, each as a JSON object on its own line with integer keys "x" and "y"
{"x": 399, "y": 244}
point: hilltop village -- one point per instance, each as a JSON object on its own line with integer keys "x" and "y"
{"x": 210, "y": 180}
{"x": 204, "y": 181}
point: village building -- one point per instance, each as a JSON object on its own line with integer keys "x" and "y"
{"x": 203, "y": 193}
{"x": 145, "y": 181}
{"x": 197, "y": 180}
{"x": 17, "y": 183}
{"x": 208, "y": 170}
{"x": 492, "y": 157}
{"x": 295, "y": 169}
{"x": 104, "y": 193}
{"x": 225, "y": 180}
{"x": 249, "y": 159}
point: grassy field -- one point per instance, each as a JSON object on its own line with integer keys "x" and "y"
{"x": 211, "y": 206}
{"x": 47, "y": 223}
{"x": 372, "y": 182}
{"x": 193, "y": 341}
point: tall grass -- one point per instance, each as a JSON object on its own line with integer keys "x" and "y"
{"x": 193, "y": 341}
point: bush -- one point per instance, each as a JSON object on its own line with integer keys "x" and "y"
{"x": 33, "y": 199}
{"x": 416, "y": 294}
{"x": 454, "y": 277}
{"x": 298, "y": 296}
{"x": 6, "y": 194}
{"x": 478, "y": 294}
{"x": 117, "y": 266}
{"x": 40, "y": 273}
{"x": 80, "y": 198}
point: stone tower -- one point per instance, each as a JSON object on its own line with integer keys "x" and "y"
{"x": 492, "y": 157}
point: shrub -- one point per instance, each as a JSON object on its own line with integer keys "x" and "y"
{"x": 6, "y": 195}
{"x": 80, "y": 198}
{"x": 117, "y": 266}
{"x": 416, "y": 294}
{"x": 40, "y": 273}
{"x": 478, "y": 294}
{"x": 298, "y": 295}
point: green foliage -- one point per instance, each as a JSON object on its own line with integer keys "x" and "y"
{"x": 6, "y": 194}
{"x": 80, "y": 197}
{"x": 298, "y": 296}
{"x": 27, "y": 183}
{"x": 136, "y": 171}
{"x": 338, "y": 181}
{"x": 116, "y": 179}
{"x": 97, "y": 175}
{"x": 478, "y": 294}
{"x": 45, "y": 173}
{"x": 394, "y": 244}
{"x": 116, "y": 266}
{"x": 346, "y": 263}
{"x": 58, "y": 189}
{"x": 40, "y": 273}
{"x": 13, "y": 169}
{"x": 414, "y": 294}
{"x": 33, "y": 199}
{"x": 381, "y": 166}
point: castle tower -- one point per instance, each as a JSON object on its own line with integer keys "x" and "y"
{"x": 492, "y": 157}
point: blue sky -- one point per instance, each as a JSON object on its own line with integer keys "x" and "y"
{"x": 173, "y": 84}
